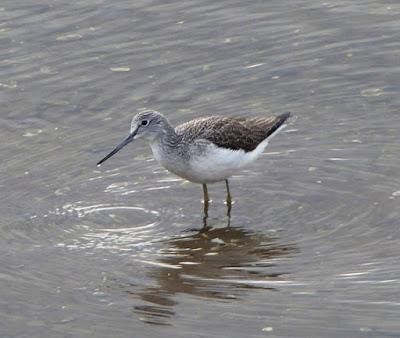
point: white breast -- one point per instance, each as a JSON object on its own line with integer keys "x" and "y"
{"x": 170, "y": 161}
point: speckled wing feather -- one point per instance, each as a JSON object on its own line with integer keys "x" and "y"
{"x": 232, "y": 132}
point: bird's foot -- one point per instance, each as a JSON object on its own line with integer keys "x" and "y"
{"x": 207, "y": 202}
{"x": 227, "y": 202}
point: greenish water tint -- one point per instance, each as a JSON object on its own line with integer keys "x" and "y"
{"x": 117, "y": 251}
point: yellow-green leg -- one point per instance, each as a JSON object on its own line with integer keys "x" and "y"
{"x": 206, "y": 200}
{"x": 228, "y": 199}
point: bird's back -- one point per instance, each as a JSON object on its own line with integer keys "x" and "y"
{"x": 233, "y": 133}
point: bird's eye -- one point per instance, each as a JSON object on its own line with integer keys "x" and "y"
{"x": 144, "y": 123}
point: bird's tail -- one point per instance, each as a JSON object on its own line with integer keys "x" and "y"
{"x": 278, "y": 125}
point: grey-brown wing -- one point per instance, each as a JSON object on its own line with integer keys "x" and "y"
{"x": 230, "y": 132}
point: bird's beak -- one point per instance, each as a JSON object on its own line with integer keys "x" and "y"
{"x": 120, "y": 146}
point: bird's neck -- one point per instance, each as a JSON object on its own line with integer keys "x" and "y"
{"x": 165, "y": 146}
{"x": 168, "y": 137}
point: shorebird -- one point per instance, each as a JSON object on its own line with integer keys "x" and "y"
{"x": 204, "y": 150}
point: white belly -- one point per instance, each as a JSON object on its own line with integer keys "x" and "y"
{"x": 217, "y": 164}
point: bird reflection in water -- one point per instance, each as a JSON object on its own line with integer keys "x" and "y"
{"x": 217, "y": 263}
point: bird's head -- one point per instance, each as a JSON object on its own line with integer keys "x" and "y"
{"x": 148, "y": 124}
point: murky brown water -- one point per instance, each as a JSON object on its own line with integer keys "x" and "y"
{"x": 313, "y": 247}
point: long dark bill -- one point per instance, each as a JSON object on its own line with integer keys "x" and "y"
{"x": 119, "y": 147}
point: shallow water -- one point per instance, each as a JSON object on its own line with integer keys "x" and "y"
{"x": 118, "y": 251}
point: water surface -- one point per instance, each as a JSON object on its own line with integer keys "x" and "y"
{"x": 119, "y": 251}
